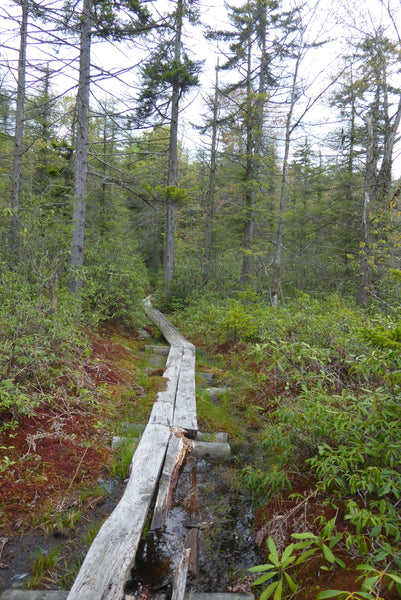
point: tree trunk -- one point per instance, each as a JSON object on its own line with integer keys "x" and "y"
{"x": 81, "y": 154}
{"x": 364, "y": 275}
{"x": 283, "y": 196}
{"x": 18, "y": 137}
{"x": 254, "y": 142}
{"x": 249, "y": 226}
{"x": 172, "y": 159}
{"x": 384, "y": 176}
{"x": 211, "y": 188}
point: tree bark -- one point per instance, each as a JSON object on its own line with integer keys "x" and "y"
{"x": 211, "y": 187}
{"x": 364, "y": 268}
{"x": 283, "y": 196}
{"x": 249, "y": 225}
{"x": 254, "y": 142}
{"x": 18, "y": 137}
{"x": 81, "y": 154}
{"x": 172, "y": 159}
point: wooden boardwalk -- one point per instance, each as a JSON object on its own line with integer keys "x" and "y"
{"x": 159, "y": 453}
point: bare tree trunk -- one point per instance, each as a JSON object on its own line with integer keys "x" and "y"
{"x": 172, "y": 159}
{"x": 18, "y": 137}
{"x": 211, "y": 187}
{"x": 364, "y": 274}
{"x": 283, "y": 196}
{"x": 81, "y": 154}
{"x": 384, "y": 176}
{"x": 249, "y": 226}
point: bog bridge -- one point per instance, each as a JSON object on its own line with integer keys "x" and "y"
{"x": 154, "y": 472}
{"x": 154, "y": 468}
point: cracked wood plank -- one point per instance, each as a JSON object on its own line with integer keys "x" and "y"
{"x": 175, "y": 455}
{"x": 107, "y": 564}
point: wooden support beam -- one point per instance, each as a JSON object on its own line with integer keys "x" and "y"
{"x": 192, "y": 544}
{"x": 180, "y": 577}
{"x": 212, "y": 449}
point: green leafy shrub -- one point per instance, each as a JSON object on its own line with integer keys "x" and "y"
{"x": 115, "y": 284}
{"x": 35, "y": 341}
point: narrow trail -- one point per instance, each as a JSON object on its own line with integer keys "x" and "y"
{"x": 161, "y": 450}
{"x": 149, "y": 502}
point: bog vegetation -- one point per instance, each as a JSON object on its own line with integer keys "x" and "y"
{"x": 321, "y": 378}
{"x": 275, "y": 245}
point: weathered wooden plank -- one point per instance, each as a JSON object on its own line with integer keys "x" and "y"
{"x": 169, "y": 331}
{"x": 174, "y": 458}
{"x": 174, "y": 358}
{"x": 107, "y": 565}
{"x": 162, "y": 414}
{"x": 163, "y": 409}
{"x": 34, "y": 595}
{"x": 180, "y": 576}
{"x": 192, "y": 544}
{"x": 185, "y": 401}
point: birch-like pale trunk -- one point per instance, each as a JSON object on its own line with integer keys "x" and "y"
{"x": 364, "y": 268}
{"x": 169, "y": 257}
{"x": 384, "y": 176}
{"x": 18, "y": 137}
{"x": 283, "y": 196}
{"x": 81, "y": 153}
{"x": 211, "y": 186}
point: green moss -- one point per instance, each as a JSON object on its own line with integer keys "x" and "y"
{"x": 216, "y": 416}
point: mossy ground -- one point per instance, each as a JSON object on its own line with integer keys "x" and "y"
{"x": 59, "y": 487}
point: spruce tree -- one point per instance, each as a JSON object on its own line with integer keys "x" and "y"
{"x": 167, "y": 76}
{"x": 250, "y": 55}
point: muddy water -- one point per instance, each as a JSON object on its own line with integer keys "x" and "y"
{"x": 212, "y": 514}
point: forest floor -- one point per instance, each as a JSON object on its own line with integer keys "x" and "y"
{"x": 60, "y": 486}
{"x": 63, "y": 478}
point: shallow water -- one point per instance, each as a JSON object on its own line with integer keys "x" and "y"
{"x": 212, "y": 513}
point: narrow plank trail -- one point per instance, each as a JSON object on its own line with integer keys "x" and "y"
{"x": 154, "y": 466}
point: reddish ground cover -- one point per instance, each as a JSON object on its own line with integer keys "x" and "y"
{"x": 64, "y": 446}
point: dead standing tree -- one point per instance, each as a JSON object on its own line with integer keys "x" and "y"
{"x": 18, "y": 136}
{"x": 81, "y": 158}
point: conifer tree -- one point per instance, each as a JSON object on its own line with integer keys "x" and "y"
{"x": 250, "y": 57}
{"x": 18, "y": 135}
{"x": 373, "y": 104}
{"x": 97, "y": 17}
{"x": 168, "y": 75}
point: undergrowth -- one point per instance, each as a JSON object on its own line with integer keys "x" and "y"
{"x": 326, "y": 379}
{"x": 38, "y": 342}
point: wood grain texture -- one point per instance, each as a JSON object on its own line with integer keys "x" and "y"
{"x": 180, "y": 576}
{"x": 185, "y": 402}
{"x": 107, "y": 565}
{"x": 175, "y": 455}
